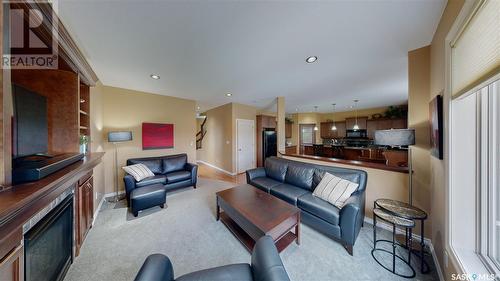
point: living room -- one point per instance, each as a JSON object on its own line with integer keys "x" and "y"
{"x": 250, "y": 140}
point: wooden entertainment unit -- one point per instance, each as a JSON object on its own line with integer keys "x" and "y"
{"x": 67, "y": 90}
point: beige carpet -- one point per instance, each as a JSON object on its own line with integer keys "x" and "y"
{"x": 188, "y": 233}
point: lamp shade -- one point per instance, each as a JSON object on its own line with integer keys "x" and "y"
{"x": 395, "y": 137}
{"x": 119, "y": 136}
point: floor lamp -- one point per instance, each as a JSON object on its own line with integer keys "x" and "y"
{"x": 397, "y": 138}
{"x": 115, "y": 138}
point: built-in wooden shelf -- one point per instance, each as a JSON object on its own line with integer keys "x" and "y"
{"x": 83, "y": 128}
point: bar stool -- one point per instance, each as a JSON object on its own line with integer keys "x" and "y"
{"x": 395, "y": 221}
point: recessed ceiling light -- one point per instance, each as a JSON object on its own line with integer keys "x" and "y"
{"x": 155, "y": 76}
{"x": 229, "y": 95}
{"x": 311, "y": 59}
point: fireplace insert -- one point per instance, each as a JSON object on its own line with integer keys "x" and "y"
{"x": 48, "y": 246}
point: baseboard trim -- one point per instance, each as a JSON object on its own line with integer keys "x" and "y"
{"x": 98, "y": 210}
{"x": 217, "y": 168}
{"x": 111, "y": 194}
{"x": 415, "y": 237}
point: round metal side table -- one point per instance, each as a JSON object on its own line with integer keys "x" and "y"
{"x": 395, "y": 221}
{"x": 410, "y": 212}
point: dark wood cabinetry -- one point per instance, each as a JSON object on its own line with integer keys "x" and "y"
{"x": 350, "y": 122}
{"x": 84, "y": 209}
{"x": 308, "y": 150}
{"x": 291, "y": 149}
{"x": 288, "y": 130}
{"x": 384, "y": 124}
{"x": 326, "y": 131}
{"x": 266, "y": 121}
{"x": 11, "y": 266}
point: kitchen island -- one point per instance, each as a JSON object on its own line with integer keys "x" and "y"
{"x": 364, "y": 156}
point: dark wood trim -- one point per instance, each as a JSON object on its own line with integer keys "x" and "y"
{"x": 352, "y": 163}
{"x": 67, "y": 48}
{"x": 18, "y": 203}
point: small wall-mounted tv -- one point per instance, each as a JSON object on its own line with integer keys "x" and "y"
{"x": 30, "y": 126}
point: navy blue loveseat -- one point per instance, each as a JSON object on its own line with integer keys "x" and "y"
{"x": 294, "y": 182}
{"x": 171, "y": 171}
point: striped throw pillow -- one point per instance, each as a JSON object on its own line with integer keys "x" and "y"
{"x": 335, "y": 190}
{"x": 138, "y": 171}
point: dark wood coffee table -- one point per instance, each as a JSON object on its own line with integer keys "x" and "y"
{"x": 251, "y": 213}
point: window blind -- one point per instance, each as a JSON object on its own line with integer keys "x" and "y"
{"x": 475, "y": 53}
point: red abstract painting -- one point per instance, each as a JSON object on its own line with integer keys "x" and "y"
{"x": 157, "y": 136}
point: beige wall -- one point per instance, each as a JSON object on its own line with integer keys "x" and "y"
{"x": 381, "y": 183}
{"x": 122, "y": 109}
{"x": 418, "y": 119}
{"x": 97, "y": 141}
{"x": 437, "y": 167}
{"x": 219, "y": 144}
{"x": 426, "y": 71}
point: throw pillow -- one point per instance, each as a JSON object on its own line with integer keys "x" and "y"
{"x": 335, "y": 190}
{"x": 138, "y": 171}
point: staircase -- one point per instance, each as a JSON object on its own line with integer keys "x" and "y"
{"x": 201, "y": 134}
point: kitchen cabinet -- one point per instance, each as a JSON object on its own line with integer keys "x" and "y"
{"x": 352, "y": 153}
{"x": 308, "y": 150}
{"x": 350, "y": 122}
{"x": 291, "y": 149}
{"x": 267, "y": 121}
{"x": 85, "y": 209}
{"x": 384, "y": 124}
{"x": 371, "y": 127}
{"x": 341, "y": 128}
{"x": 288, "y": 130}
{"x": 326, "y": 131}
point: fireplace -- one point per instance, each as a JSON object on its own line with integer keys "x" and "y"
{"x": 49, "y": 244}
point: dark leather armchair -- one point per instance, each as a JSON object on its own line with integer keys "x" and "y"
{"x": 265, "y": 265}
{"x": 172, "y": 171}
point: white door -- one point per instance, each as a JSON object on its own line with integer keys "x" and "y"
{"x": 245, "y": 145}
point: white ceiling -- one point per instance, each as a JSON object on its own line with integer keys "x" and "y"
{"x": 256, "y": 50}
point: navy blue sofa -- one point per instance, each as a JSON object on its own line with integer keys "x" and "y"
{"x": 266, "y": 265}
{"x": 294, "y": 182}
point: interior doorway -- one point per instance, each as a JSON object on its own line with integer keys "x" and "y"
{"x": 307, "y": 135}
{"x": 245, "y": 145}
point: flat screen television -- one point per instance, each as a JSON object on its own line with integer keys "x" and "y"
{"x": 30, "y": 126}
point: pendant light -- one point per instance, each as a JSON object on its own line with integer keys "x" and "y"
{"x": 316, "y": 111}
{"x": 356, "y": 127}
{"x": 334, "y": 127}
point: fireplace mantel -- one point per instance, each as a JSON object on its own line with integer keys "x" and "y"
{"x": 20, "y": 202}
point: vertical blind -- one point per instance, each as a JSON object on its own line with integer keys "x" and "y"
{"x": 475, "y": 53}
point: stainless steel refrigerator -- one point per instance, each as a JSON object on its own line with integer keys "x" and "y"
{"x": 270, "y": 147}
